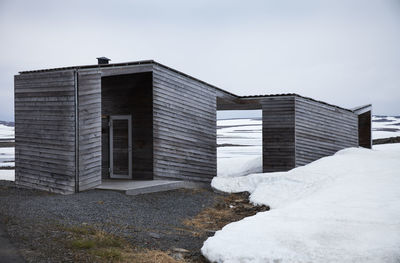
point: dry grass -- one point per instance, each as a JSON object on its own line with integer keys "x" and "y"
{"x": 227, "y": 209}
{"x": 94, "y": 245}
{"x": 151, "y": 256}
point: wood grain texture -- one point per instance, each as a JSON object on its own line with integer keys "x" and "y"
{"x": 173, "y": 125}
{"x": 297, "y": 131}
{"x": 89, "y": 101}
{"x": 322, "y": 130}
{"x": 184, "y": 123}
{"x": 44, "y": 131}
{"x": 278, "y": 115}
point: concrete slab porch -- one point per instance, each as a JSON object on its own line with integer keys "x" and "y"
{"x": 131, "y": 187}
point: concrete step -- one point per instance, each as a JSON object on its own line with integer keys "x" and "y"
{"x": 131, "y": 187}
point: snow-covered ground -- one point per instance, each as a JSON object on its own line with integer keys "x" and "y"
{"x": 7, "y": 157}
{"x": 6, "y": 132}
{"x": 240, "y": 147}
{"x": 6, "y": 153}
{"x": 385, "y": 126}
{"x": 342, "y": 208}
{"x": 8, "y": 175}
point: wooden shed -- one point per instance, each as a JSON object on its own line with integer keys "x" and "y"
{"x": 75, "y": 126}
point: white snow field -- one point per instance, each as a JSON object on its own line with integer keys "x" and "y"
{"x": 6, "y": 153}
{"x": 342, "y": 208}
{"x": 7, "y": 157}
{"x": 7, "y": 175}
{"x": 6, "y": 132}
{"x": 385, "y": 126}
{"x": 240, "y": 147}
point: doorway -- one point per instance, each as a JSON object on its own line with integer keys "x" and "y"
{"x": 120, "y": 146}
{"x": 132, "y": 95}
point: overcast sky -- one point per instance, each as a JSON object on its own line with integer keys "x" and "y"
{"x": 342, "y": 52}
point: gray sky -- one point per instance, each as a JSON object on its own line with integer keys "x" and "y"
{"x": 342, "y": 52}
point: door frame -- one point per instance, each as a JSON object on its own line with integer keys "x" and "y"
{"x": 111, "y": 148}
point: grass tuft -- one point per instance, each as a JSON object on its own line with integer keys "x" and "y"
{"x": 151, "y": 256}
{"x": 80, "y": 230}
{"x": 109, "y": 254}
{"x": 227, "y": 209}
{"x": 83, "y": 244}
{"x": 103, "y": 247}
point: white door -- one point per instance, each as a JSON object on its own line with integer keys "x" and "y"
{"x": 121, "y": 146}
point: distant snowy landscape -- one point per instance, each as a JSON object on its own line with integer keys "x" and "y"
{"x": 385, "y": 126}
{"x": 6, "y": 151}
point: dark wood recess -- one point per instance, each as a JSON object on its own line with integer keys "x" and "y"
{"x": 45, "y": 131}
{"x": 130, "y": 94}
{"x": 364, "y": 130}
{"x": 184, "y": 119}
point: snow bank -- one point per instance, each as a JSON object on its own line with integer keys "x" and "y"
{"x": 6, "y": 132}
{"x": 6, "y": 157}
{"x": 239, "y": 166}
{"x": 343, "y": 208}
{"x": 242, "y": 154}
{"x": 7, "y": 175}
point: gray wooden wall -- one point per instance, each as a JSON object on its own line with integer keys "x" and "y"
{"x": 89, "y": 100}
{"x": 297, "y": 131}
{"x": 184, "y": 123}
{"x": 322, "y": 130}
{"x": 45, "y": 131}
{"x": 174, "y": 126}
{"x": 278, "y": 133}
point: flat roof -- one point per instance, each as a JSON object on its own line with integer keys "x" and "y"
{"x": 132, "y": 63}
{"x": 144, "y": 62}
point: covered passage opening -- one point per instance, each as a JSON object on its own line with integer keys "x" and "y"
{"x": 239, "y": 136}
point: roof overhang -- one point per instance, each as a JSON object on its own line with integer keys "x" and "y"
{"x": 362, "y": 109}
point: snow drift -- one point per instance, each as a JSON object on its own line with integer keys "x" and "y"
{"x": 342, "y": 208}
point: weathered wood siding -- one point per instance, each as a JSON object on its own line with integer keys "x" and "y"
{"x": 184, "y": 124}
{"x": 322, "y": 130}
{"x": 278, "y": 114}
{"x": 130, "y": 94}
{"x": 89, "y": 100}
{"x": 45, "y": 131}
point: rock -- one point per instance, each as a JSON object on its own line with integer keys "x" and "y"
{"x": 180, "y": 250}
{"x": 178, "y": 256}
{"x": 154, "y": 235}
{"x": 248, "y": 206}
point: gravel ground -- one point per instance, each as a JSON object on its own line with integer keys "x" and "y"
{"x": 152, "y": 221}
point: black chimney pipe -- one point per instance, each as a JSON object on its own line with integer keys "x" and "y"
{"x": 103, "y": 60}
